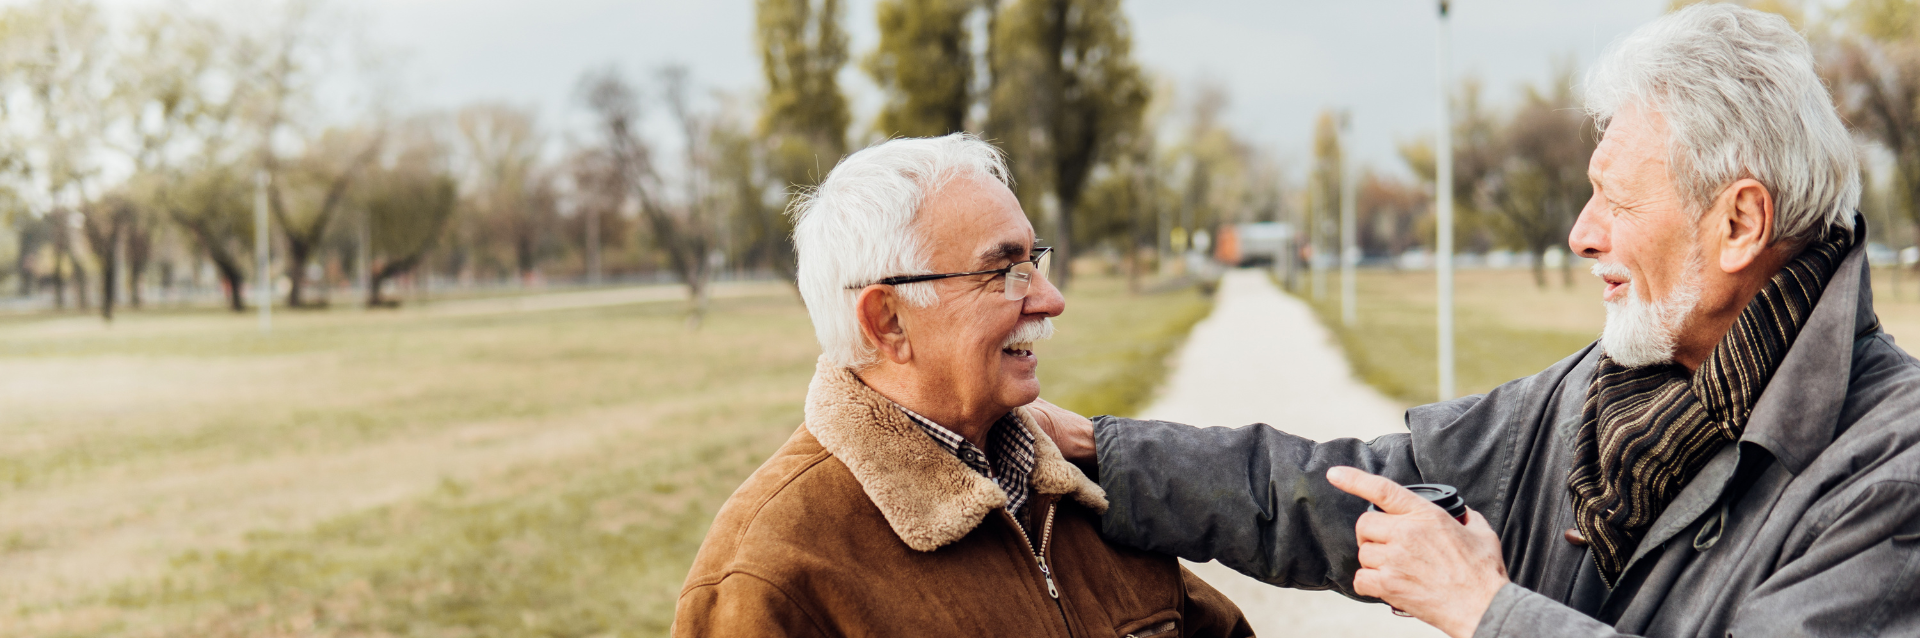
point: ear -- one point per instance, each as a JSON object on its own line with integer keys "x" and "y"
{"x": 880, "y": 322}
{"x": 1745, "y": 229}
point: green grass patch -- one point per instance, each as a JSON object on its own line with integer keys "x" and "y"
{"x": 1505, "y": 328}
{"x": 1112, "y": 349}
{"x": 595, "y": 544}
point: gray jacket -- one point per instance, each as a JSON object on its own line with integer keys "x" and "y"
{"x": 1809, "y": 525}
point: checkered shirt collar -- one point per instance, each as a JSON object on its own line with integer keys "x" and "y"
{"x": 1009, "y": 465}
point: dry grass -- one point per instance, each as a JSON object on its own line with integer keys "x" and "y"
{"x": 420, "y": 473}
{"x": 1507, "y": 327}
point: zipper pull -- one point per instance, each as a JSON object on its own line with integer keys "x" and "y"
{"x": 1048, "y": 574}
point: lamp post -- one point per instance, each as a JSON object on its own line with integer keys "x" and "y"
{"x": 1349, "y": 253}
{"x": 261, "y": 258}
{"x": 1443, "y": 197}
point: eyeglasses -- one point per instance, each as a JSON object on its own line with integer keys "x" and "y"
{"x": 1019, "y": 275}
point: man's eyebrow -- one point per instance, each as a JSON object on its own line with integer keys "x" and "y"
{"x": 1005, "y": 252}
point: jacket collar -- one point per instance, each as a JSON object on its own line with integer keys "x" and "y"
{"x": 927, "y": 495}
{"x": 1795, "y": 417}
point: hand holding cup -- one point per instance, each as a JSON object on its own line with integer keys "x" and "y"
{"x": 1419, "y": 558}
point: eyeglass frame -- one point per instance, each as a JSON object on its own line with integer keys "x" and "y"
{"x": 1039, "y": 253}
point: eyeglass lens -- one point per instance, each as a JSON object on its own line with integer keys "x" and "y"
{"x": 1020, "y": 279}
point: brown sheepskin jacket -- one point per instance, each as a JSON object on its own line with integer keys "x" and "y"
{"x": 862, "y": 526}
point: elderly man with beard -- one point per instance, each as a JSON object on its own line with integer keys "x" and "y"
{"x": 1735, "y": 456}
{"x": 919, "y": 498}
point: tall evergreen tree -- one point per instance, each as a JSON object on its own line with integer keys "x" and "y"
{"x": 1066, "y": 95}
{"x": 802, "y": 49}
{"x": 925, "y": 65}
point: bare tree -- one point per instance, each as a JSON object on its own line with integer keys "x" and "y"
{"x": 409, "y": 200}
{"x": 512, "y": 195}
{"x": 215, "y": 205}
{"x": 292, "y": 56}
{"x": 1875, "y": 72}
{"x": 1540, "y": 187}
{"x": 56, "y": 54}
{"x": 679, "y": 222}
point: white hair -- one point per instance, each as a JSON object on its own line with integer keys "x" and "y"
{"x": 1741, "y": 99}
{"x": 857, "y": 228}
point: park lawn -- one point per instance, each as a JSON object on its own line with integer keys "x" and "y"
{"x": 1507, "y": 327}
{"x": 511, "y": 474}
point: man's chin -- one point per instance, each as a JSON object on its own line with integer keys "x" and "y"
{"x": 1019, "y": 392}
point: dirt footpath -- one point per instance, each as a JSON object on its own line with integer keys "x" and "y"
{"x": 1263, "y": 357}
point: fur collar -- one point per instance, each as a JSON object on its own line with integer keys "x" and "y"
{"x": 929, "y": 497}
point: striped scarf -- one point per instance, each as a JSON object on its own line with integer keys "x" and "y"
{"x": 1645, "y": 432}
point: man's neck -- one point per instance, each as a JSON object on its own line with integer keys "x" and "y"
{"x": 1721, "y": 307}
{"x": 933, "y": 401}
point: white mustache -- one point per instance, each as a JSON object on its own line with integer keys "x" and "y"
{"x": 1030, "y": 331}
{"x": 1603, "y": 269}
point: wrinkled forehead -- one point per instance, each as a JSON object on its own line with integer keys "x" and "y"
{"x": 974, "y": 223}
{"x": 1633, "y": 147}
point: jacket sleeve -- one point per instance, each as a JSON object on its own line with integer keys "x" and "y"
{"x": 1207, "y": 613}
{"x": 1857, "y": 575}
{"x": 1257, "y": 499}
{"x": 1254, "y": 498}
{"x": 741, "y": 604}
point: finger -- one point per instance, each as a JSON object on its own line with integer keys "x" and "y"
{"x": 1373, "y": 555}
{"x": 1041, "y": 418}
{"x": 1478, "y": 523}
{"x": 1370, "y": 583}
{"x": 1379, "y": 490}
{"x": 1373, "y": 527}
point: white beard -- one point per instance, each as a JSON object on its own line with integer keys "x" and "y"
{"x": 1641, "y": 333}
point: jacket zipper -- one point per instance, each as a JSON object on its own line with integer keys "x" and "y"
{"x": 1046, "y": 538}
{"x": 1046, "y": 573}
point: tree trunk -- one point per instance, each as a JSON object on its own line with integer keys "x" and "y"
{"x": 59, "y": 279}
{"x": 298, "y": 253}
{"x": 1539, "y": 266}
{"x": 139, "y": 253}
{"x": 593, "y": 245}
{"x": 104, "y": 230}
{"x": 23, "y": 265}
{"x": 236, "y": 284}
{"x": 79, "y": 282}
{"x": 1063, "y": 246}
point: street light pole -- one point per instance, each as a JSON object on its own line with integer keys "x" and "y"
{"x": 1348, "y": 252}
{"x": 261, "y": 258}
{"x": 1443, "y": 196}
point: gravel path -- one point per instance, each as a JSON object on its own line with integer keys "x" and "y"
{"x": 1263, "y": 357}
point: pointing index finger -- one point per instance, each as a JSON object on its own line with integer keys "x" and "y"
{"x": 1379, "y": 490}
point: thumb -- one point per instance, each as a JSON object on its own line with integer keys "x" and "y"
{"x": 1379, "y": 490}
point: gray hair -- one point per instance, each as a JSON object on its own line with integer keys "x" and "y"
{"x": 858, "y": 228}
{"x": 1741, "y": 100}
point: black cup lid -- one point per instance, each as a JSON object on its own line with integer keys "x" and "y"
{"x": 1444, "y": 496}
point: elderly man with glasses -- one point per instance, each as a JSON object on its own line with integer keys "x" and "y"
{"x": 920, "y": 498}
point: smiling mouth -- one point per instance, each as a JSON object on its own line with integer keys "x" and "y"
{"x": 1613, "y": 287}
{"x": 1022, "y": 349}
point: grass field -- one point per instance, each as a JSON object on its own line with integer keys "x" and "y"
{"x": 487, "y": 472}
{"x": 1506, "y": 327}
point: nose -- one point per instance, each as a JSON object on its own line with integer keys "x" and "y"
{"x": 1043, "y": 298}
{"x": 1592, "y": 232}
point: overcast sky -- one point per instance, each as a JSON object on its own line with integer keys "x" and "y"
{"x": 1282, "y": 60}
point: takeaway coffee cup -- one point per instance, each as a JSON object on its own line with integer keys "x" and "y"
{"x": 1442, "y": 495}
